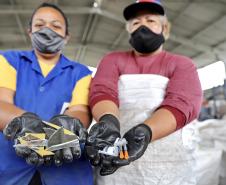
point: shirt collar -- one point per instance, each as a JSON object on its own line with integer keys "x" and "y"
{"x": 31, "y": 57}
{"x": 65, "y": 62}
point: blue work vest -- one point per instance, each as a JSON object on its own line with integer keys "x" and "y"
{"x": 44, "y": 96}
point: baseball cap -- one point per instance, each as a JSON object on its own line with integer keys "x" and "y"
{"x": 154, "y": 6}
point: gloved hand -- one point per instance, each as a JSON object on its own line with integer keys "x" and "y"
{"x": 32, "y": 157}
{"x": 102, "y": 134}
{"x": 19, "y": 126}
{"x": 75, "y": 126}
{"x": 138, "y": 139}
{"x": 26, "y": 123}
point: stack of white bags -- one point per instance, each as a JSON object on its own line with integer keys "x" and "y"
{"x": 207, "y": 139}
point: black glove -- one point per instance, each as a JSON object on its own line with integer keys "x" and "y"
{"x": 75, "y": 126}
{"x": 101, "y": 134}
{"x": 32, "y": 157}
{"x": 18, "y": 127}
{"x": 138, "y": 139}
{"x": 26, "y": 123}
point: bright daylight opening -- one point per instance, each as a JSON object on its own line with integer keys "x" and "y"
{"x": 212, "y": 75}
{"x": 93, "y": 69}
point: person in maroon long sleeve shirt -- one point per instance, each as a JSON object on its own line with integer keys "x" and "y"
{"x": 148, "y": 94}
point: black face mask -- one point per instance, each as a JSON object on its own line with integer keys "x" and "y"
{"x": 146, "y": 41}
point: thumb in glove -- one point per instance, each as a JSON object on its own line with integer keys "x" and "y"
{"x": 26, "y": 123}
{"x": 138, "y": 139}
{"x": 103, "y": 133}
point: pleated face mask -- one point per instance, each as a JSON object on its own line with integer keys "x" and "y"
{"x": 47, "y": 41}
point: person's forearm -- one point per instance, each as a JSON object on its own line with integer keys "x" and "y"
{"x": 84, "y": 116}
{"x": 7, "y": 113}
{"x": 105, "y": 107}
{"x": 162, "y": 123}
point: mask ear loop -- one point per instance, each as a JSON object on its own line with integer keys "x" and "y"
{"x": 167, "y": 26}
{"x": 162, "y": 33}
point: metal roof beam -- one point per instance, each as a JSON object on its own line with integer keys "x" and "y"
{"x": 87, "y": 10}
{"x": 19, "y": 23}
{"x": 89, "y": 29}
{"x": 203, "y": 30}
{"x": 84, "y": 36}
{"x": 118, "y": 39}
{"x": 18, "y": 10}
{"x": 194, "y": 44}
{"x": 186, "y": 6}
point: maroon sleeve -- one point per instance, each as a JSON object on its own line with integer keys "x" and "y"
{"x": 179, "y": 116}
{"x": 184, "y": 91}
{"x": 104, "y": 85}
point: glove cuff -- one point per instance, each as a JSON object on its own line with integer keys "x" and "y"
{"x": 146, "y": 127}
{"x": 60, "y": 116}
{"x": 30, "y": 114}
{"x": 63, "y": 116}
{"x": 110, "y": 118}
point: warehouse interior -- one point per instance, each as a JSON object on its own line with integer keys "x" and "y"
{"x": 97, "y": 27}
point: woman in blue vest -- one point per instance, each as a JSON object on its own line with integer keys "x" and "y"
{"x": 34, "y": 86}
